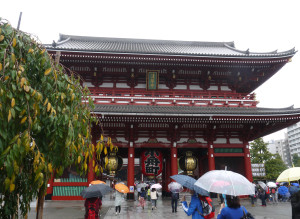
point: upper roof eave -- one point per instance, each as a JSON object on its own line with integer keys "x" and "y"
{"x": 170, "y": 48}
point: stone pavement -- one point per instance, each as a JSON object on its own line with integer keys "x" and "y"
{"x": 130, "y": 210}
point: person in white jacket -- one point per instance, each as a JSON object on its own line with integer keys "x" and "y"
{"x": 154, "y": 196}
{"x": 118, "y": 201}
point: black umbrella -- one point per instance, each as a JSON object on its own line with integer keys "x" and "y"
{"x": 97, "y": 190}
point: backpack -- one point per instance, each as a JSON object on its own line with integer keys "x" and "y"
{"x": 208, "y": 208}
{"x": 267, "y": 190}
{"x": 246, "y": 216}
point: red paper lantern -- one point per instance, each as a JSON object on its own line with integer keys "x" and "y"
{"x": 151, "y": 162}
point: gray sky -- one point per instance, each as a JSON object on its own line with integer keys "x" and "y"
{"x": 260, "y": 25}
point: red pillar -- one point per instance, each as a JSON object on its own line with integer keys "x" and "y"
{"x": 211, "y": 157}
{"x": 247, "y": 162}
{"x": 50, "y": 184}
{"x": 130, "y": 171}
{"x": 174, "y": 167}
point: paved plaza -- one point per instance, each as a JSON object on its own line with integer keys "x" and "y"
{"x": 130, "y": 209}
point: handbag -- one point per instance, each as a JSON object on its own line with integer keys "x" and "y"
{"x": 247, "y": 216}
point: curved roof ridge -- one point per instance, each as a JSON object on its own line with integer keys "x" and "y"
{"x": 290, "y": 51}
{"x": 284, "y": 108}
{"x": 237, "y": 50}
{"x": 64, "y": 37}
{"x": 62, "y": 40}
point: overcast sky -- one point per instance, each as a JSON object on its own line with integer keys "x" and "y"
{"x": 260, "y": 25}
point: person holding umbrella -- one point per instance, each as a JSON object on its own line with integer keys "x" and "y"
{"x": 118, "y": 201}
{"x": 195, "y": 206}
{"x": 154, "y": 196}
{"x": 234, "y": 210}
{"x": 295, "y": 202}
{"x": 93, "y": 195}
{"x": 174, "y": 188}
{"x": 142, "y": 198}
{"x": 92, "y": 207}
{"x": 175, "y": 197}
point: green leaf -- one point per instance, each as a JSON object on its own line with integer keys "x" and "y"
{"x": 13, "y": 113}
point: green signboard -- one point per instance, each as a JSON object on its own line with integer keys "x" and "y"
{"x": 152, "y": 79}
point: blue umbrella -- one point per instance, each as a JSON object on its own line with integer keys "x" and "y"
{"x": 282, "y": 190}
{"x": 189, "y": 182}
{"x": 295, "y": 184}
{"x": 293, "y": 189}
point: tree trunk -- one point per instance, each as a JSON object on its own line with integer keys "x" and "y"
{"x": 40, "y": 204}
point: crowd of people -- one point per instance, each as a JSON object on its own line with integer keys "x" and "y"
{"x": 230, "y": 206}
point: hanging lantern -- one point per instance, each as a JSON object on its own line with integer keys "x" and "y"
{"x": 151, "y": 163}
{"x": 114, "y": 163}
{"x": 188, "y": 162}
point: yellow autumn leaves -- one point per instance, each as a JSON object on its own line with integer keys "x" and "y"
{"x": 47, "y": 72}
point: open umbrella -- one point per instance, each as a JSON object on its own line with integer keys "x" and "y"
{"x": 262, "y": 184}
{"x": 97, "y": 182}
{"x": 95, "y": 191}
{"x": 225, "y": 182}
{"x": 271, "y": 184}
{"x": 142, "y": 185}
{"x": 156, "y": 186}
{"x": 293, "y": 190}
{"x": 295, "y": 184}
{"x": 175, "y": 187}
{"x": 189, "y": 182}
{"x": 282, "y": 190}
{"x": 120, "y": 187}
{"x": 291, "y": 174}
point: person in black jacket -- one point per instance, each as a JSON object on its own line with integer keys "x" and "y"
{"x": 175, "y": 197}
{"x": 295, "y": 202}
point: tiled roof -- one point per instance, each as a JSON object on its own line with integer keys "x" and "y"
{"x": 192, "y": 111}
{"x": 155, "y": 47}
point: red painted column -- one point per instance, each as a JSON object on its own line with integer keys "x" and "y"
{"x": 247, "y": 163}
{"x": 130, "y": 170}
{"x": 50, "y": 184}
{"x": 174, "y": 166}
{"x": 211, "y": 157}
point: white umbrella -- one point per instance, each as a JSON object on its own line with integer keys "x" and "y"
{"x": 156, "y": 186}
{"x": 271, "y": 184}
{"x": 225, "y": 182}
{"x": 262, "y": 184}
{"x": 142, "y": 185}
{"x": 175, "y": 187}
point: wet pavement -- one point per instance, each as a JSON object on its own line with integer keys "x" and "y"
{"x": 130, "y": 209}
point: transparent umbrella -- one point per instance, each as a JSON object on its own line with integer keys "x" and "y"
{"x": 225, "y": 182}
{"x": 156, "y": 186}
{"x": 175, "y": 187}
{"x": 271, "y": 184}
{"x": 262, "y": 184}
{"x": 142, "y": 185}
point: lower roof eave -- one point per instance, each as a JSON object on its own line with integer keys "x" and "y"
{"x": 196, "y": 115}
